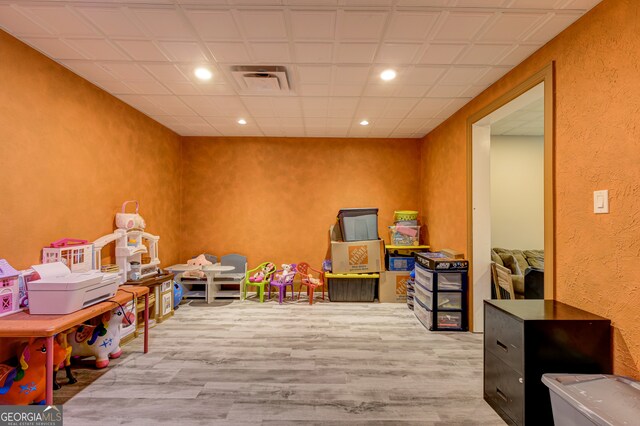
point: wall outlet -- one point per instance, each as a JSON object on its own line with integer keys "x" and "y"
{"x": 601, "y": 201}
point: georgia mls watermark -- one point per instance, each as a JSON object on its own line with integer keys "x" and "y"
{"x": 30, "y": 415}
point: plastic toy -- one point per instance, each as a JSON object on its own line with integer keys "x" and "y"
{"x": 131, "y": 243}
{"x": 76, "y": 254}
{"x": 102, "y": 340}
{"x": 62, "y": 351}
{"x": 200, "y": 260}
{"x": 9, "y": 289}
{"x": 282, "y": 280}
{"x": 26, "y": 383}
{"x": 178, "y": 293}
{"x": 286, "y": 270}
{"x": 129, "y": 221}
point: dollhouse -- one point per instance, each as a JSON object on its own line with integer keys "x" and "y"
{"x": 76, "y": 254}
{"x": 9, "y": 289}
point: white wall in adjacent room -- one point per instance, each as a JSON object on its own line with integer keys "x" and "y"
{"x": 517, "y": 192}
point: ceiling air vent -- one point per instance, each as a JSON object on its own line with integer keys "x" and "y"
{"x": 268, "y": 80}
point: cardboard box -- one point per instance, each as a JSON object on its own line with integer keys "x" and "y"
{"x": 393, "y": 287}
{"x": 356, "y": 256}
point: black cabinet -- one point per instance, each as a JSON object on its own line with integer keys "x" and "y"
{"x": 523, "y": 339}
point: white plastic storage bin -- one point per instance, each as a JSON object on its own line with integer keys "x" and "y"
{"x": 593, "y": 399}
{"x": 452, "y": 320}
{"x": 404, "y": 235}
{"x": 446, "y": 280}
{"x": 445, "y": 300}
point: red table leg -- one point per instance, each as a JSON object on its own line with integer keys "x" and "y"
{"x": 49, "y": 370}
{"x": 146, "y": 323}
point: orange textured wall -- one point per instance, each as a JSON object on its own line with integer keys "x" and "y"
{"x": 71, "y": 154}
{"x": 596, "y": 147}
{"x": 275, "y": 198}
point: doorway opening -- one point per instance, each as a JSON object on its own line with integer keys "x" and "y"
{"x": 523, "y": 101}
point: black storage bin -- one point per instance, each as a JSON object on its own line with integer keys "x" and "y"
{"x": 352, "y": 287}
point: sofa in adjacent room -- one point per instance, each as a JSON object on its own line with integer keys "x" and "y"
{"x": 527, "y": 270}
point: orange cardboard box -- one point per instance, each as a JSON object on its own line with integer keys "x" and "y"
{"x": 393, "y": 286}
{"x": 356, "y": 256}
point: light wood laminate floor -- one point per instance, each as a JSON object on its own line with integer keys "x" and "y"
{"x": 269, "y": 364}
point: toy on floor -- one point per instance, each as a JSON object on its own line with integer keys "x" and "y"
{"x": 103, "y": 340}
{"x": 259, "y": 276}
{"x": 9, "y": 289}
{"x": 178, "y": 294}
{"x": 62, "y": 350}
{"x": 201, "y": 261}
{"x": 27, "y": 383}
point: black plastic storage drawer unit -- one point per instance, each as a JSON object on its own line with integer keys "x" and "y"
{"x": 440, "y": 299}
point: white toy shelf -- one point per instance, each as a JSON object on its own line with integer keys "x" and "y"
{"x": 129, "y": 250}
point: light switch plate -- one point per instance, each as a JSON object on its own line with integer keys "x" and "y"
{"x": 601, "y": 201}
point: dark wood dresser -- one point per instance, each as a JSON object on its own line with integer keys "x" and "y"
{"x": 523, "y": 339}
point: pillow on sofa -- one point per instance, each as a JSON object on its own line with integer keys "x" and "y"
{"x": 496, "y": 258}
{"x": 535, "y": 258}
{"x": 511, "y": 263}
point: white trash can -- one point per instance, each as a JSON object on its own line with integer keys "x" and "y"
{"x": 593, "y": 399}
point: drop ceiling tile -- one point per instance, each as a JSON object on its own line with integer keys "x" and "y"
{"x": 483, "y": 3}
{"x": 452, "y": 107}
{"x": 447, "y": 91}
{"x": 314, "y": 89}
{"x": 314, "y": 74}
{"x": 166, "y": 120}
{"x": 355, "y": 74}
{"x": 113, "y": 22}
{"x": 356, "y": 53}
{"x": 286, "y": 106}
{"x": 463, "y": 75}
{"x": 229, "y": 52}
{"x": 491, "y": 76}
{"x": 379, "y": 90}
{"x": 142, "y": 104}
{"x": 166, "y": 73}
{"x": 258, "y": 106}
{"x": 484, "y": 54}
{"x": 428, "y": 108}
{"x": 410, "y": 25}
{"x": 171, "y": 104}
{"x": 126, "y": 71}
{"x": 461, "y": 26}
{"x": 399, "y": 107}
{"x": 519, "y": 54}
{"x": 181, "y": 88}
{"x": 97, "y": 49}
{"x": 397, "y": 53}
{"x": 412, "y": 91}
{"x": 114, "y": 87}
{"x": 270, "y": 53}
{"x": 339, "y": 122}
{"x": 582, "y": 4}
{"x": 313, "y": 25}
{"x": 424, "y": 75}
{"x": 89, "y": 70}
{"x": 315, "y": 107}
{"x": 183, "y": 51}
{"x": 16, "y": 23}
{"x": 59, "y": 20}
{"x": 441, "y": 53}
{"x": 372, "y": 107}
{"x": 385, "y": 123}
{"x": 193, "y": 120}
{"x": 408, "y": 124}
{"x": 141, "y": 50}
{"x": 342, "y": 107}
{"x": 317, "y": 122}
{"x": 361, "y": 25}
{"x": 379, "y": 132}
{"x": 346, "y": 89}
{"x": 263, "y": 24}
{"x": 473, "y": 91}
{"x": 54, "y": 48}
{"x": 552, "y": 27}
{"x": 151, "y": 87}
{"x": 313, "y": 52}
{"x": 535, "y": 4}
{"x": 214, "y": 24}
{"x": 510, "y": 26}
{"x": 164, "y": 23}
{"x": 292, "y": 122}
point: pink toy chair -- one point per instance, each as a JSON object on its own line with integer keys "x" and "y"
{"x": 282, "y": 282}
{"x": 307, "y": 275}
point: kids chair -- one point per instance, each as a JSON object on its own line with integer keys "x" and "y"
{"x": 282, "y": 282}
{"x": 309, "y": 280}
{"x": 263, "y": 272}
{"x": 231, "y": 282}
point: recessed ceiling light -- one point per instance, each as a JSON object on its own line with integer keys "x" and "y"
{"x": 387, "y": 75}
{"x": 364, "y": 123}
{"x": 203, "y": 73}
{"x": 242, "y": 121}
